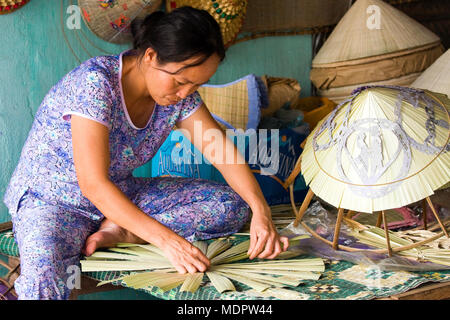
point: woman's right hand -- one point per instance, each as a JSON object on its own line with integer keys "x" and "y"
{"x": 184, "y": 256}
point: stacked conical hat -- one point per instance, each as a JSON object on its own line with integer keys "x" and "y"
{"x": 110, "y": 20}
{"x": 437, "y": 77}
{"x": 382, "y": 148}
{"x": 373, "y": 44}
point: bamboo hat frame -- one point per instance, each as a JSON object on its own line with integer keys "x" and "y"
{"x": 441, "y": 156}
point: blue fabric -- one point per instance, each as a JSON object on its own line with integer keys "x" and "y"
{"x": 198, "y": 167}
{"x": 289, "y": 151}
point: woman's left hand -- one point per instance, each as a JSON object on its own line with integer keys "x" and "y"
{"x": 265, "y": 242}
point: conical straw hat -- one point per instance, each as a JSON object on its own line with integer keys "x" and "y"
{"x": 230, "y": 14}
{"x": 8, "y": 6}
{"x": 357, "y": 35}
{"x": 385, "y": 147}
{"x": 110, "y": 19}
{"x": 437, "y": 77}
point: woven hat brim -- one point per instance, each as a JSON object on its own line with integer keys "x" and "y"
{"x": 384, "y": 69}
{"x": 342, "y": 93}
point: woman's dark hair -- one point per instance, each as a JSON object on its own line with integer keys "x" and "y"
{"x": 179, "y": 35}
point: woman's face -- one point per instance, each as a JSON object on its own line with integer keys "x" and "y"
{"x": 169, "y": 83}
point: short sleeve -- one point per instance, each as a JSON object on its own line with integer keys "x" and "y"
{"x": 91, "y": 97}
{"x": 189, "y": 105}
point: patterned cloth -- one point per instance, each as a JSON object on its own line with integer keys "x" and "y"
{"x": 52, "y": 218}
{"x": 92, "y": 90}
{"x": 50, "y": 240}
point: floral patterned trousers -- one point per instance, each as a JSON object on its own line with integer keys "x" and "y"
{"x": 51, "y": 238}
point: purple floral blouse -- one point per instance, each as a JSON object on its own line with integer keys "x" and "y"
{"x": 92, "y": 90}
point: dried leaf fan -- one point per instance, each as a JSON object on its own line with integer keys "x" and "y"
{"x": 259, "y": 275}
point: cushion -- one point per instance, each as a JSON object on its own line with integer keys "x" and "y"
{"x": 236, "y": 104}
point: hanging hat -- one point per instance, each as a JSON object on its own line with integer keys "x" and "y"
{"x": 111, "y": 19}
{"x": 229, "y": 14}
{"x": 293, "y": 16}
{"x": 373, "y": 43}
{"x": 383, "y": 148}
{"x": 8, "y": 6}
{"x": 437, "y": 77}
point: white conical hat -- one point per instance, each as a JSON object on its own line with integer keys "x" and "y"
{"x": 372, "y": 28}
{"x": 383, "y": 148}
{"x": 437, "y": 77}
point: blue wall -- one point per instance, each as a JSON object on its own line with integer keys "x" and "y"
{"x": 35, "y": 53}
{"x": 284, "y": 56}
{"x": 37, "y": 49}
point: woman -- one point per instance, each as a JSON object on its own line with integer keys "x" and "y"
{"x": 73, "y": 190}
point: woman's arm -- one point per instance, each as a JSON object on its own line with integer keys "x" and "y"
{"x": 264, "y": 239}
{"x": 91, "y": 157}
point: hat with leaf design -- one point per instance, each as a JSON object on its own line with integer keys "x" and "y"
{"x": 383, "y": 148}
